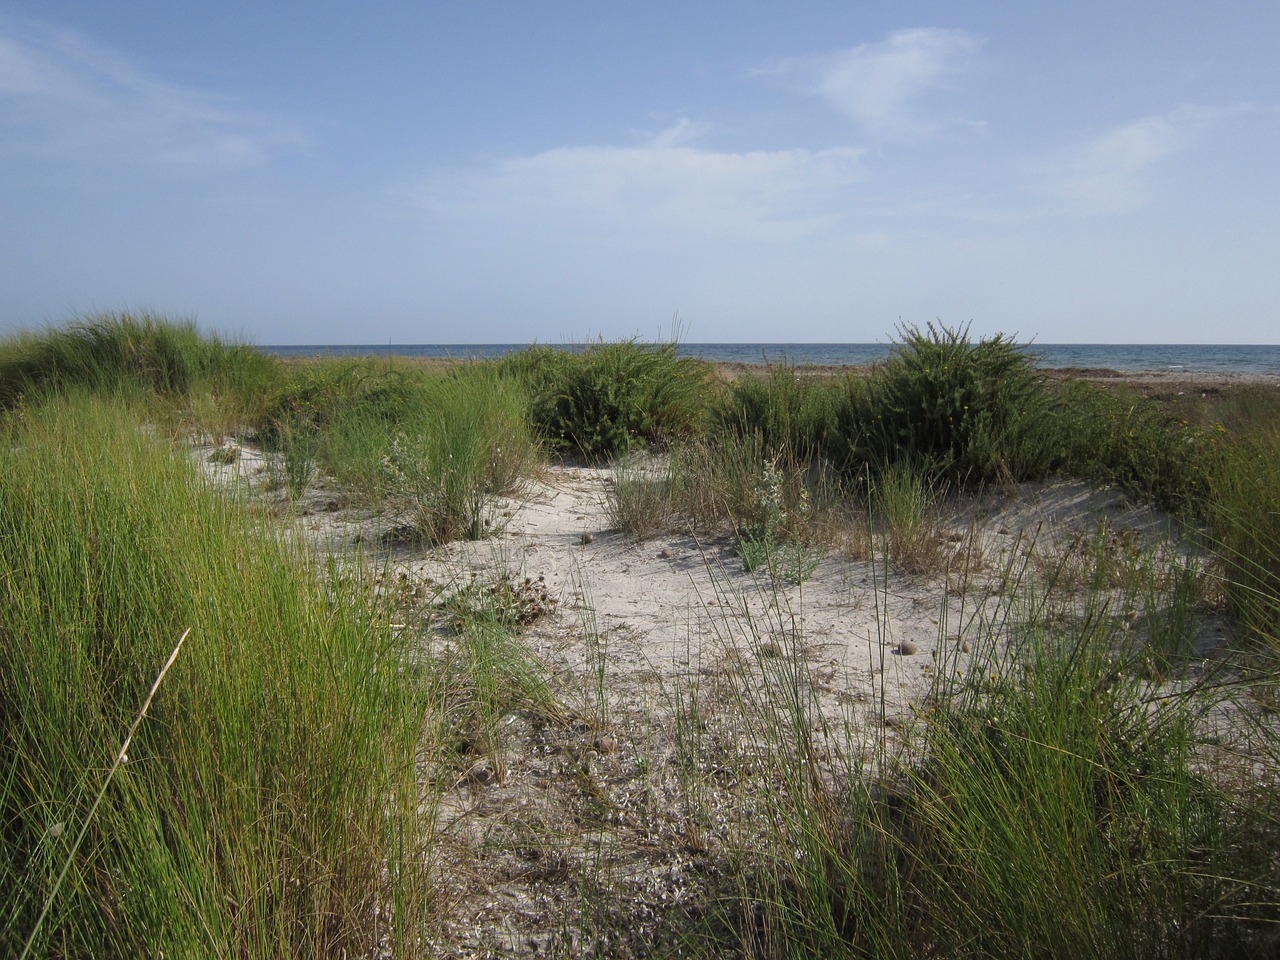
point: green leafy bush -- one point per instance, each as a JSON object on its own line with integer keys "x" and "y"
{"x": 1106, "y": 436}
{"x": 318, "y": 393}
{"x": 612, "y": 397}
{"x": 974, "y": 411}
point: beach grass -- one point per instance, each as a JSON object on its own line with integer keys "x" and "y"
{"x": 268, "y": 803}
{"x": 141, "y": 351}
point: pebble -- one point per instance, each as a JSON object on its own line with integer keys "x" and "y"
{"x": 481, "y": 773}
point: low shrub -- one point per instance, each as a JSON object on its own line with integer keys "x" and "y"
{"x": 771, "y": 543}
{"x": 437, "y": 450}
{"x": 1108, "y": 436}
{"x": 976, "y": 411}
{"x": 318, "y": 393}
{"x": 612, "y": 397}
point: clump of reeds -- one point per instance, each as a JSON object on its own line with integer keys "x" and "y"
{"x": 142, "y": 351}
{"x": 268, "y": 805}
{"x": 1051, "y": 799}
{"x": 435, "y": 449}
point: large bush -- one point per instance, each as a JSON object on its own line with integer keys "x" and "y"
{"x": 611, "y": 397}
{"x": 972, "y": 412}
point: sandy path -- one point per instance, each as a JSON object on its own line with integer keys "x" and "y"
{"x": 677, "y": 608}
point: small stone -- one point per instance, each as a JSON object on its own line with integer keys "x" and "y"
{"x": 905, "y": 648}
{"x": 588, "y": 538}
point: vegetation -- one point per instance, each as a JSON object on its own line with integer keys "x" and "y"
{"x": 435, "y": 450}
{"x": 120, "y": 351}
{"x": 612, "y": 397}
{"x": 267, "y": 804}
{"x": 291, "y": 784}
{"x": 1057, "y": 809}
{"x": 972, "y": 411}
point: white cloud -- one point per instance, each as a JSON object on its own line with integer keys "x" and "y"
{"x": 881, "y": 85}
{"x": 660, "y": 186}
{"x": 1114, "y": 171}
{"x": 61, "y": 95}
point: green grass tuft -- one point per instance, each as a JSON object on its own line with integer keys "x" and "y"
{"x": 268, "y": 804}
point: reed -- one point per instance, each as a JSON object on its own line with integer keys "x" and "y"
{"x": 269, "y": 803}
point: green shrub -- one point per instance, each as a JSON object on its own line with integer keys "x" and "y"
{"x": 612, "y": 397}
{"x": 321, "y": 392}
{"x": 1107, "y": 436}
{"x": 974, "y": 410}
{"x": 769, "y": 543}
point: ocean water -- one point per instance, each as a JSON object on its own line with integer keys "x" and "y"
{"x": 1225, "y": 358}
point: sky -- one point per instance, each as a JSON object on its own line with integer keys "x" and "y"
{"x": 504, "y": 172}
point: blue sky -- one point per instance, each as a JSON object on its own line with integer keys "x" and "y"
{"x": 454, "y": 172}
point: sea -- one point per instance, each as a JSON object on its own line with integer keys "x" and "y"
{"x": 1128, "y": 358}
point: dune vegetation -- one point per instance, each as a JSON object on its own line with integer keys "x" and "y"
{"x": 286, "y": 790}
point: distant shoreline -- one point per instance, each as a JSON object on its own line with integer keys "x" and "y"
{"x": 1150, "y": 382}
{"x": 1171, "y": 359}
